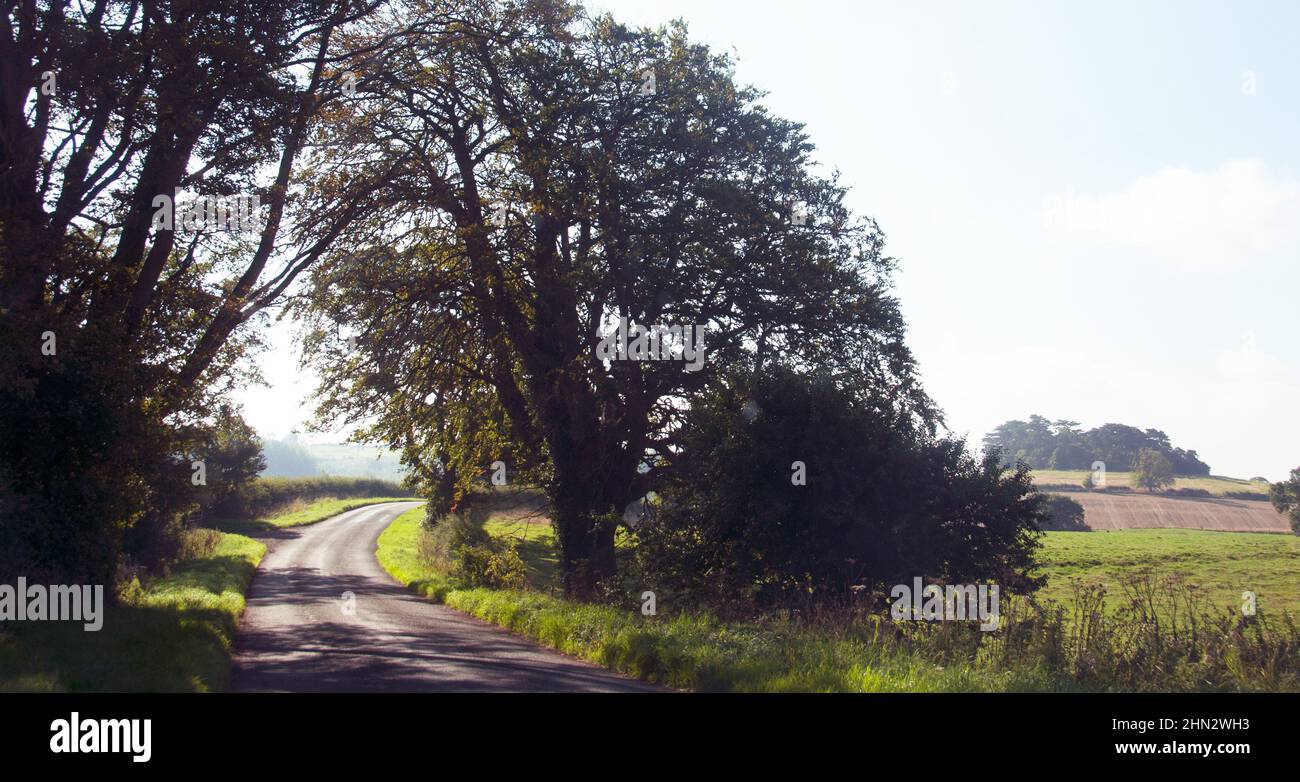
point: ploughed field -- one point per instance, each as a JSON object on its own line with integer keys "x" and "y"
{"x": 1107, "y": 511}
{"x": 1210, "y": 503}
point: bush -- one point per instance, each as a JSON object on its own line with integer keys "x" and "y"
{"x": 498, "y": 567}
{"x": 882, "y": 502}
{"x": 1064, "y": 515}
{"x": 457, "y": 545}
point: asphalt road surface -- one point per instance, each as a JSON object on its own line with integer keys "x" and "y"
{"x": 301, "y": 633}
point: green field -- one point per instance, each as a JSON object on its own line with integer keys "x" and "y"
{"x": 299, "y": 513}
{"x": 1217, "y": 485}
{"x": 352, "y": 460}
{"x": 1221, "y": 564}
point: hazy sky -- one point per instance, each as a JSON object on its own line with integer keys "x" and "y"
{"x": 1095, "y": 206}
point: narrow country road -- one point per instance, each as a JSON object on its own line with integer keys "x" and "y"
{"x": 298, "y": 634}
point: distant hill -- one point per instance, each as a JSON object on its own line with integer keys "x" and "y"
{"x": 1061, "y": 445}
{"x": 292, "y": 458}
{"x": 1212, "y": 485}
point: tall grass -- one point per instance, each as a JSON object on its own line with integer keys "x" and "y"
{"x": 1161, "y": 637}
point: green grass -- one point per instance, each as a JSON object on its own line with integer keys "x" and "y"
{"x": 174, "y": 634}
{"x": 1217, "y": 485}
{"x": 696, "y": 651}
{"x": 689, "y": 651}
{"x": 535, "y": 542}
{"x": 300, "y": 513}
{"x": 1221, "y": 564}
{"x": 398, "y": 552}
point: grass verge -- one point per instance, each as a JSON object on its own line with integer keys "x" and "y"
{"x": 173, "y": 634}
{"x": 1044, "y": 651}
{"x": 695, "y": 651}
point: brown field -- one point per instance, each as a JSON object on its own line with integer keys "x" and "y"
{"x": 1133, "y": 511}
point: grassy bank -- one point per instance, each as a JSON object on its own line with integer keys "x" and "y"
{"x": 698, "y": 652}
{"x": 171, "y": 634}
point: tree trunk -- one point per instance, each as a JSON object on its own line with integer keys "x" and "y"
{"x": 586, "y": 551}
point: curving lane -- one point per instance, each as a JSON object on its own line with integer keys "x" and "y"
{"x": 299, "y": 632}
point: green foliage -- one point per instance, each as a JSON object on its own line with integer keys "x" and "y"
{"x": 736, "y": 530}
{"x": 458, "y": 546}
{"x": 498, "y": 567}
{"x": 1060, "y": 445}
{"x": 1286, "y": 498}
{"x": 122, "y": 339}
{"x": 601, "y": 183}
{"x": 1152, "y": 470}
{"x": 1063, "y": 514}
{"x": 232, "y": 457}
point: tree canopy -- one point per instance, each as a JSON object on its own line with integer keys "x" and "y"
{"x": 122, "y": 308}
{"x": 1061, "y": 445}
{"x": 533, "y": 175}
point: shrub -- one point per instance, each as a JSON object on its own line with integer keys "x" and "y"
{"x": 457, "y": 545}
{"x": 442, "y": 540}
{"x": 498, "y": 567}
{"x": 882, "y": 502}
{"x": 1064, "y": 515}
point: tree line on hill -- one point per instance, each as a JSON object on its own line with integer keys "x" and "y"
{"x": 1061, "y": 445}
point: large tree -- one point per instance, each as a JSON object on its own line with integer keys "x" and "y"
{"x": 121, "y": 329}
{"x": 1286, "y": 498}
{"x": 540, "y": 174}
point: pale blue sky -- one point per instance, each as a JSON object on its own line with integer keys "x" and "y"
{"x": 1123, "y": 176}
